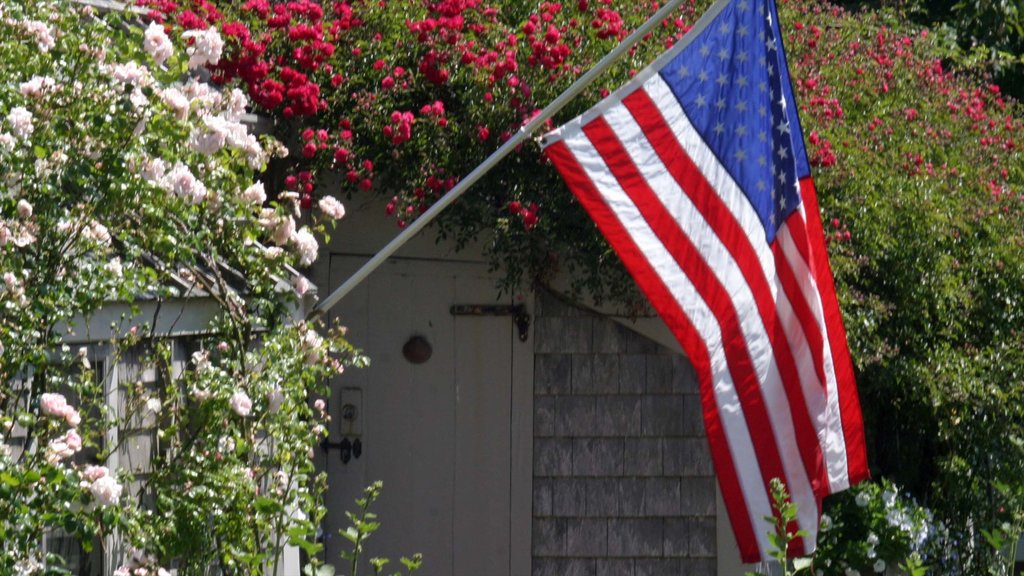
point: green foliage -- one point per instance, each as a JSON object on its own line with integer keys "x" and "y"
{"x": 874, "y": 525}
{"x": 363, "y": 524}
{"x": 869, "y": 529}
{"x": 781, "y": 536}
{"x": 990, "y": 32}
{"x": 920, "y": 175}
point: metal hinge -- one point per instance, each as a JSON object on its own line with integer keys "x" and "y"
{"x": 516, "y": 311}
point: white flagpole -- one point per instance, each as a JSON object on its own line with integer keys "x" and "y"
{"x": 550, "y": 110}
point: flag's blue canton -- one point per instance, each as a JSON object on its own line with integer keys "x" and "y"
{"x": 731, "y": 82}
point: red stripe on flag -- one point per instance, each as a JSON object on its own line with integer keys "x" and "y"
{"x": 677, "y": 321}
{"x": 849, "y": 402}
{"x": 718, "y": 216}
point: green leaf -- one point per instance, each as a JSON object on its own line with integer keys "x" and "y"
{"x": 413, "y": 563}
{"x": 9, "y": 479}
{"x": 39, "y": 151}
{"x": 994, "y": 538}
{"x": 802, "y": 564}
{"x": 351, "y": 534}
{"x": 311, "y": 548}
{"x": 264, "y": 504}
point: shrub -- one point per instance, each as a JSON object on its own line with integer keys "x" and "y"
{"x": 127, "y": 179}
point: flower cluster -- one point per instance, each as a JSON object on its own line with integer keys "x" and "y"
{"x": 873, "y": 527}
{"x": 364, "y": 100}
{"x": 104, "y": 488}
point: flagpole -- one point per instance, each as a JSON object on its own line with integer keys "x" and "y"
{"x": 518, "y": 138}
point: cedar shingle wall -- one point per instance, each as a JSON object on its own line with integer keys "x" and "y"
{"x": 623, "y": 482}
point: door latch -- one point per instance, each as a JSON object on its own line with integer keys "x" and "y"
{"x": 517, "y": 311}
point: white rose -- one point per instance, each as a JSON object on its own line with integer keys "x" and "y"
{"x": 862, "y": 499}
{"x": 307, "y": 246}
{"x": 284, "y": 230}
{"x": 6, "y": 142}
{"x": 177, "y": 102}
{"x": 826, "y": 522}
{"x": 132, "y": 73}
{"x": 36, "y": 87}
{"x": 255, "y": 194}
{"x": 183, "y": 184}
{"x": 106, "y": 491}
{"x": 330, "y": 206}
{"x": 114, "y": 267}
{"x": 241, "y": 403}
{"x": 206, "y": 48}
{"x": 24, "y": 208}
{"x": 43, "y": 35}
{"x": 156, "y": 43}
{"x": 20, "y": 120}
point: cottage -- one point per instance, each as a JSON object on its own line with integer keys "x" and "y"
{"x": 515, "y": 433}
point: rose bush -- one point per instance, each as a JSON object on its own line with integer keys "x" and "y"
{"x": 403, "y": 98}
{"x": 127, "y": 178}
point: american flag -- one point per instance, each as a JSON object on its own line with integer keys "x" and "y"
{"x": 697, "y": 174}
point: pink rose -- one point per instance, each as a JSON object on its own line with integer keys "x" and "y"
{"x": 301, "y": 285}
{"x": 74, "y": 441}
{"x": 94, "y": 473}
{"x": 63, "y": 447}
{"x": 156, "y": 43}
{"x": 53, "y": 404}
{"x": 72, "y": 417}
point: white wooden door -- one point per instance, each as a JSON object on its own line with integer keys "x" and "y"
{"x": 450, "y": 438}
